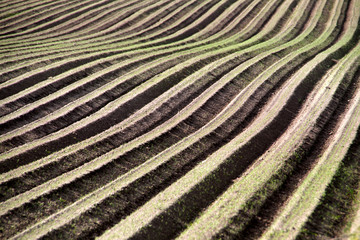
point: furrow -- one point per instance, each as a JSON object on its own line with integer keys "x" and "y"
{"x": 10, "y": 174}
{"x": 98, "y": 55}
{"x": 317, "y": 180}
{"x": 111, "y": 10}
{"x": 59, "y": 55}
{"x": 161, "y": 201}
{"x": 267, "y": 213}
{"x": 102, "y": 21}
{"x": 335, "y": 213}
{"x": 127, "y": 9}
{"x": 34, "y": 20}
{"x": 8, "y": 83}
{"x": 52, "y": 19}
{"x": 7, "y": 92}
{"x": 10, "y": 17}
{"x": 194, "y": 14}
{"x": 185, "y": 119}
{"x": 126, "y": 18}
{"x": 195, "y": 23}
{"x": 107, "y": 107}
{"x": 271, "y": 166}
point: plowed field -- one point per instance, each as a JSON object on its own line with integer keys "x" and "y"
{"x": 179, "y": 119}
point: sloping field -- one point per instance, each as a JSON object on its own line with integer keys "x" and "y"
{"x": 179, "y": 119}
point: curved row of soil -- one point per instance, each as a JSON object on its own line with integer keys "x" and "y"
{"x": 178, "y": 119}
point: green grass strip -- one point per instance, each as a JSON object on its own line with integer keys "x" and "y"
{"x": 199, "y": 101}
{"x": 117, "y": 102}
{"x": 51, "y": 34}
{"x": 89, "y": 40}
{"x": 160, "y": 158}
{"x": 77, "y": 7}
{"x": 288, "y": 224}
{"x": 155, "y": 206}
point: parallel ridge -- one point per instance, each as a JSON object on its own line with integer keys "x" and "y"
{"x": 188, "y": 119}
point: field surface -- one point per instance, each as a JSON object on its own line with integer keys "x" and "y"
{"x": 179, "y": 119}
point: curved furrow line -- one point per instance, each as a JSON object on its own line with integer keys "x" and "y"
{"x": 28, "y": 167}
{"x": 37, "y": 76}
{"x": 267, "y": 213}
{"x": 21, "y": 6}
{"x": 254, "y": 199}
{"x": 9, "y": 16}
{"x": 191, "y": 27}
{"x": 78, "y": 77}
{"x": 7, "y": 92}
{"x": 107, "y": 22}
{"x": 95, "y": 164}
{"x": 129, "y": 17}
{"x": 52, "y": 19}
{"x": 261, "y": 57}
{"x": 102, "y": 16}
{"x": 352, "y": 228}
{"x": 4, "y": 5}
{"x": 70, "y": 55}
{"x": 195, "y": 198}
{"x": 186, "y": 119}
{"x": 98, "y": 54}
{"x": 12, "y": 75}
{"x": 259, "y": 222}
{"x": 21, "y": 26}
{"x": 87, "y": 97}
{"x": 102, "y": 21}
{"x": 160, "y": 115}
{"x": 29, "y": 155}
{"x": 317, "y": 180}
{"x": 200, "y": 9}
{"x": 337, "y": 206}
{"x": 139, "y": 30}
{"x": 127, "y": 9}
{"x": 56, "y": 55}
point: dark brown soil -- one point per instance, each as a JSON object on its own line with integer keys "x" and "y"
{"x": 264, "y": 206}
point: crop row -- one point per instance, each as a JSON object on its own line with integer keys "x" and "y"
{"x": 179, "y": 119}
